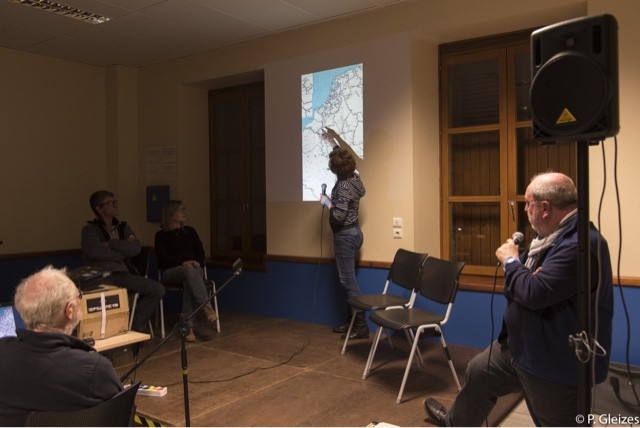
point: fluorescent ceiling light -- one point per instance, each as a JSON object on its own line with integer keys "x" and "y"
{"x": 64, "y": 10}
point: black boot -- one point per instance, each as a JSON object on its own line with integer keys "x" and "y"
{"x": 343, "y": 328}
{"x": 360, "y": 328}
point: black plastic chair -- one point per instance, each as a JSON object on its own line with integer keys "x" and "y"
{"x": 117, "y": 411}
{"x": 439, "y": 283}
{"x": 404, "y": 272}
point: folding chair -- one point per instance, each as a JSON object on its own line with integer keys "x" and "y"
{"x": 117, "y": 411}
{"x": 404, "y": 272}
{"x": 438, "y": 283}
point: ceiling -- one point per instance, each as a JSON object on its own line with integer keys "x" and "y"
{"x": 144, "y": 32}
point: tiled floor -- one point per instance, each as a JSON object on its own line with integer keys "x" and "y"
{"x": 271, "y": 372}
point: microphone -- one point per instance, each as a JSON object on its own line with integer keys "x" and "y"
{"x": 324, "y": 189}
{"x": 518, "y": 238}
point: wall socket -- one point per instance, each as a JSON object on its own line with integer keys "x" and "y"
{"x": 397, "y": 233}
{"x": 397, "y": 222}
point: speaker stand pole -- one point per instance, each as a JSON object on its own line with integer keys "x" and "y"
{"x": 584, "y": 286}
{"x": 182, "y": 329}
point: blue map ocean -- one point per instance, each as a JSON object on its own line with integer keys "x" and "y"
{"x": 323, "y": 82}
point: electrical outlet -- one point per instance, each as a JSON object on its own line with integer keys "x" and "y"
{"x": 397, "y": 233}
{"x": 397, "y": 222}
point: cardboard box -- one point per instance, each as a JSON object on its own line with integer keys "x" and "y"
{"x": 104, "y": 313}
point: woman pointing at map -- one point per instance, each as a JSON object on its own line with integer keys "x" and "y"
{"x": 343, "y": 206}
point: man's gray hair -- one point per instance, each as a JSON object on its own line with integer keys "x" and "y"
{"x": 558, "y": 189}
{"x": 42, "y": 297}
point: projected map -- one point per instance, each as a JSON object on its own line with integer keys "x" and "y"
{"x": 332, "y": 99}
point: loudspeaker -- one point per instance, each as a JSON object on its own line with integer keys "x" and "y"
{"x": 574, "y": 87}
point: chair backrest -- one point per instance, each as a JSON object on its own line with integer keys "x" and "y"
{"x": 118, "y": 411}
{"x": 405, "y": 269}
{"x": 440, "y": 279}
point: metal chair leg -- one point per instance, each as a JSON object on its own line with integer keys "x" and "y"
{"x": 346, "y": 339}
{"x": 414, "y": 349}
{"x": 215, "y": 305}
{"x": 372, "y": 352}
{"x": 445, "y": 349}
{"x": 162, "y": 318}
{"x": 411, "y": 338}
{"x": 133, "y": 312}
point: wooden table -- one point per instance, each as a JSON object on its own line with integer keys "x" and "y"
{"x": 120, "y": 340}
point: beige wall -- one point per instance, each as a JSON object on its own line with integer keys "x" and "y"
{"x": 121, "y": 112}
{"x": 52, "y": 150}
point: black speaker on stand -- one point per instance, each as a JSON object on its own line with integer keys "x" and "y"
{"x": 574, "y": 97}
{"x": 574, "y": 91}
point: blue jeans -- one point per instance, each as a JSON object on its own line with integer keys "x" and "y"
{"x": 346, "y": 244}
{"x": 191, "y": 280}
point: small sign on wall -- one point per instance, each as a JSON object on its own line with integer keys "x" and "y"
{"x": 161, "y": 163}
{"x": 156, "y": 198}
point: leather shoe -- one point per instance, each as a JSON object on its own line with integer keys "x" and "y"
{"x": 435, "y": 411}
{"x": 191, "y": 337}
{"x": 210, "y": 313}
{"x": 203, "y": 332}
{"x": 342, "y": 328}
{"x": 357, "y": 333}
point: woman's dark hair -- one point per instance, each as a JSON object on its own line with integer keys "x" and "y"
{"x": 342, "y": 164}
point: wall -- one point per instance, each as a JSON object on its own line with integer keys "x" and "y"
{"x": 399, "y": 50}
{"x": 52, "y": 150}
{"x": 101, "y": 121}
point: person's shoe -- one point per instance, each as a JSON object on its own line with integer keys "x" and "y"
{"x": 203, "y": 332}
{"x": 357, "y": 333}
{"x": 360, "y": 328}
{"x": 435, "y": 411}
{"x": 342, "y": 328}
{"x": 191, "y": 337}
{"x": 210, "y": 313}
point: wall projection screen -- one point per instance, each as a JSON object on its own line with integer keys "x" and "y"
{"x": 330, "y": 99}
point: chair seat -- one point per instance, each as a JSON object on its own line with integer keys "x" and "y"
{"x": 399, "y": 319}
{"x": 376, "y": 301}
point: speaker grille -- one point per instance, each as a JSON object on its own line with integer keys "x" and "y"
{"x": 570, "y": 93}
{"x": 574, "y": 91}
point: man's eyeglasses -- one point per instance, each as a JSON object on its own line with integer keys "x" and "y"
{"x": 112, "y": 202}
{"x": 79, "y": 296}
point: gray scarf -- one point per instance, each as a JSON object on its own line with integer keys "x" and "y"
{"x": 538, "y": 245}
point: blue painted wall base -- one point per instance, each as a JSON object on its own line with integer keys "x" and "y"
{"x": 311, "y": 293}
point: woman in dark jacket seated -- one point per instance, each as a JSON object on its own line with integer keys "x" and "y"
{"x": 180, "y": 254}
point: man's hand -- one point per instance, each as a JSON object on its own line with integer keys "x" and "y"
{"x": 191, "y": 263}
{"x": 507, "y": 249}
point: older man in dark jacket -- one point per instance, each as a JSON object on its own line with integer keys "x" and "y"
{"x": 44, "y": 368}
{"x": 532, "y": 353}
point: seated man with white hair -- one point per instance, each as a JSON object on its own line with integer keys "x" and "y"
{"x": 44, "y": 368}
